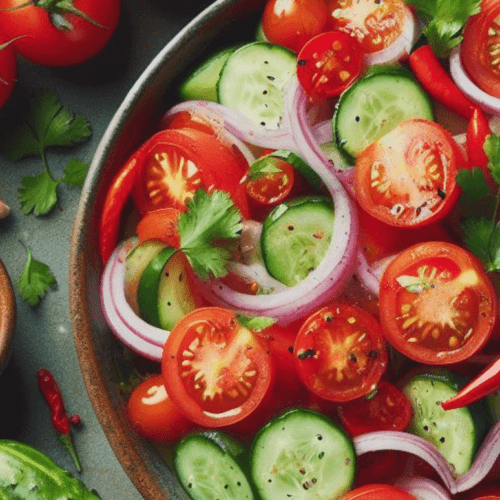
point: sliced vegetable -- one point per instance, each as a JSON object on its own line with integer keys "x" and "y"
{"x": 161, "y": 224}
{"x": 301, "y": 455}
{"x": 378, "y": 492}
{"x": 424, "y": 488}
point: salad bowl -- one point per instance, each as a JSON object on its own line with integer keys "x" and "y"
{"x": 7, "y": 316}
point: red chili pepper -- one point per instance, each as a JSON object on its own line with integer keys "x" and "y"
{"x": 483, "y": 385}
{"x": 52, "y": 395}
{"x": 434, "y": 78}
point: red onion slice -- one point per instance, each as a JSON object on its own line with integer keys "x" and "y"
{"x": 401, "y": 47}
{"x": 423, "y": 489}
{"x": 409, "y": 443}
{"x": 370, "y": 274}
{"x": 487, "y": 102}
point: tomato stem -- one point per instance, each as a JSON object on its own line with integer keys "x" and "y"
{"x": 57, "y": 9}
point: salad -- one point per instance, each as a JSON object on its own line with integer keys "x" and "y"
{"x": 310, "y": 258}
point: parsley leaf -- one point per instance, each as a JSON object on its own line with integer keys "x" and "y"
{"x": 208, "y": 219}
{"x": 446, "y": 18}
{"x": 75, "y": 173}
{"x": 35, "y": 281}
{"x": 473, "y": 184}
{"x": 482, "y": 237}
{"x": 492, "y": 149}
{"x": 255, "y": 323}
{"x": 44, "y": 123}
{"x": 38, "y": 193}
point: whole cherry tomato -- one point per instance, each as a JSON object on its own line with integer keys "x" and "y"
{"x": 8, "y": 70}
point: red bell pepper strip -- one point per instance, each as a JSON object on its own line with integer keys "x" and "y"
{"x": 60, "y": 421}
{"x": 483, "y": 385}
{"x": 436, "y": 81}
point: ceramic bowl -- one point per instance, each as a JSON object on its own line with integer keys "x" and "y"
{"x": 7, "y": 316}
{"x": 98, "y": 351}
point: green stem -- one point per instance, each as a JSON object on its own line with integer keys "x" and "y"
{"x": 67, "y": 442}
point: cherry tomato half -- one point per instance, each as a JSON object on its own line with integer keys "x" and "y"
{"x": 59, "y": 38}
{"x": 378, "y": 492}
{"x": 437, "y": 305}
{"x": 479, "y": 49}
{"x": 328, "y": 63}
{"x": 407, "y": 177}
{"x": 340, "y": 352}
{"x": 152, "y": 413}
{"x": 215, "y": 370}
{"x": 387, "y": 409}
{"x": 292, "y": 23}
{"x": 376, "y": 25}
{"x": 8, "y": 70}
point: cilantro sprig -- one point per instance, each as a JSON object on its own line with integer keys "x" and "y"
{"x": 444, "y": 21}
{"x": 44, "y": 123}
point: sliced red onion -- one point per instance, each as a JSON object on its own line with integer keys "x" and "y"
{"x": 131, "y": 330}
{"x": 423, "y": 489}
{"x": 370, "y": 274}
{"x": 401, "y": 47}
{"x": 239, "y": 126}
{"x": 487, "y": 102}
{"x": 409, "y": 443}
{"x": 483, "y": 462}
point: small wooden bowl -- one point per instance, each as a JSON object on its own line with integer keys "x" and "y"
{"x": 7, "y": 316}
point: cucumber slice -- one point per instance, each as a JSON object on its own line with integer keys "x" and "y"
{"x": 253, "y": 79}
{"x": 295, "y": 238}
{"x": 202, "y": 83}
{"x": 455, "y": 433}
{"x": 302, "y": 455}
{"x": 374, "y": 105}
{"x": 207, "y": 472}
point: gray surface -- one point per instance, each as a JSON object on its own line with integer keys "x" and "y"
{"x": 44, "y": 336}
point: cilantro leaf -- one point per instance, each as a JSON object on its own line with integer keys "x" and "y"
{"x": 75, "y": 173}
{"x": 255, "y": 323}
{"x": 482, "y": 238}
{"x": 44, "y": 123}
{"x": 446, "y": 18}
{"x": 473, "y": 184}
{"x": 35, "y": 281}
{"x": 38, "y": 193}
{"x": 208, "y": 219}
{"x": 492, "y": 149}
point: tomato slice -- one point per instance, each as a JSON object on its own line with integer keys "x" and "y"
{"x": 328, "y": 63}
{"x": 376, "y": 24}
{"x": 161, "y": 224}
{"x": 407, "y": 177}
{"x": 152, "y": 413}
{"x": 480, "y": 48}
{"x": 387, "y": 409}
{"x": 340, "y": 352}
{"x": 437, "y": 305}
{"x": 378, "y": 492}
{"x": 215, "y": 370}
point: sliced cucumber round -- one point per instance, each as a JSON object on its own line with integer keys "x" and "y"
{"x": 295, "y": 238}
{"x": 455, "y": 433}
{"x": 253, "y": 79}
{"x": 207, "y": 472}
{"x": 373, "y": 106}
{"x": 302, "y": 455}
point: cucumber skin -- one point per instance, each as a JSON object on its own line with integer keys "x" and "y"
{"x": 26, "y": 473}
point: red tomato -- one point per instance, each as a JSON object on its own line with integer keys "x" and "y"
{"x": 328, "y": 63}
{"x": 76, "y": 38}
{"x": 437, "y": 305}
{"x": 177, "y": 163}
{"x": 407, "y": 177}
{"x": 380, "y": 466}
{"x": 215, "y": 370}
{"x": 378, "y": 492}
{"x": 376, "y": 24}
{"x": 340, "y": 352}
{"x": 152, "y": 413}
{"x": 161, "y": 224}
{"x": 480, "y": 48}
{"x": 238, "y": 284}
{"x": 386, "y": 410}
{"x": 8, "y": 71}
{"x": 292, "y": 23}
{"x": 187, "y": 119}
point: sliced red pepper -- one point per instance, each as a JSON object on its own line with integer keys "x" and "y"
{"x": 483, "y": 385}
{"x": 436, "y": 81}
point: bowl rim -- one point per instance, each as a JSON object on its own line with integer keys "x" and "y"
{"x": 7, "y": 316}
{"x": 119, "y": 438}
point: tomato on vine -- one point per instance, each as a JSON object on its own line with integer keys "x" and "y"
{"x": 8, "y": 71}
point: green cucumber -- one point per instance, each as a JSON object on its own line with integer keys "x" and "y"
{"x": 202, "y": 83}
{"x": 380, "y": 100}
{"x": 207, "y": 471}
{"x": 136, "y": 261}
{"x": 295, "y": 238}
{"x": 302, "y": 455}
{"x": 28, "y": 474}
{"x": 253, "y": 79}
{"x": 455, "y": 433}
